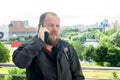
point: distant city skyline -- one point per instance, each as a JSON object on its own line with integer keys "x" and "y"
{"x": 70, "y": 11}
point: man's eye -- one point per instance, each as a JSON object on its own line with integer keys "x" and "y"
{"x": 57, "y": 26}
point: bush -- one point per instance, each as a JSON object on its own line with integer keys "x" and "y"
{"x": 4, "y": 53}
{"x": 115, "y": 77}
{"x": 106, "y": 64}
{"x": 15, "y": 71}
{"x": 1, "y": 77}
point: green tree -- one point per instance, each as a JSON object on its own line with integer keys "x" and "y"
{"x": 115, "y": 38}
{"x": 110, "y": 32}
{"x": 88, "y": 53}
{"x": 113, "y": 56}
{"x": 100, "y": 55}
{"x": 106, "y": 52}
{"x": 78, "y": 47}
{"x": 4, "y": 53}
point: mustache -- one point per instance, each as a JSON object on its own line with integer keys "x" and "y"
{"x": 54, "y": 33}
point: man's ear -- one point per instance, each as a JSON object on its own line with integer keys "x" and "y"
{"x": 39, "y": 25}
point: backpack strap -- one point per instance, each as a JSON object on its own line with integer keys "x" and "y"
{"x": 66, "y": 50}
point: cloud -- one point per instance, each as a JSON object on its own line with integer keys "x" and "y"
{"x": 74, "y": 11}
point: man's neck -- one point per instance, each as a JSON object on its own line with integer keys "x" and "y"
{"x": 48, "y": 47}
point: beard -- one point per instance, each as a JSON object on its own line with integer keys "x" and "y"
{"x": 51, "y": 42}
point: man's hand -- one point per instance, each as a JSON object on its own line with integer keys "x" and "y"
{"x": 41, "y": 32}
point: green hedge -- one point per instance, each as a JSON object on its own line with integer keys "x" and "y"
{"x": 16, "y": 71}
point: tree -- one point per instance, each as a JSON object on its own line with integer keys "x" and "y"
{"x": 4, "y": 53}
{"x": 88, "y": 53}
{"x": 113, "y": 56}
{"x": 100, "y": 55}
{"x": 106, "y": 53}
{"x": 78, "y": 47}
{"x": 115, "y": 38}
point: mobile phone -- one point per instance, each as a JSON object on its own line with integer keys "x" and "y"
{"x": 46, "y": 37}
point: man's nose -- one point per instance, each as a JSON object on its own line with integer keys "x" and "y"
{"x": 54, "y": 27}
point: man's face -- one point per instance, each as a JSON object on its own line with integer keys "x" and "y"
{"x": 52, "y": 23}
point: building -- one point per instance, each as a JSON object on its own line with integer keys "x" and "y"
{"x": 17, "y": 28}
{"x": 4, "y": 33}
{"x": 115, "y": 25}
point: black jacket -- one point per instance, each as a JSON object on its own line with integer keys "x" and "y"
{"x": 40, "y": 66}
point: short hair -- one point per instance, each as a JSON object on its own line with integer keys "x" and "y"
{"x": 42, "y": 17}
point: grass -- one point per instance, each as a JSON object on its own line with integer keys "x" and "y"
{"x": 4, "y": 70}
{"x": 88, "y": 64}
{"x": 99, "y": 74}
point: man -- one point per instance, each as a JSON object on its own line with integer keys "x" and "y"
{"x": 47, "y": 57}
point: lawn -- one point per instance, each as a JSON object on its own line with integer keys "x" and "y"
{"x": 99, "y": 74}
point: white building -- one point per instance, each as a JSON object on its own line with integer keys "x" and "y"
{"x": 4, "y": 32}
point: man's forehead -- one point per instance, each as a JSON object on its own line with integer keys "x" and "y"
{"x": 50, "y": 17}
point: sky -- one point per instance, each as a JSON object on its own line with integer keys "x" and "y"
{"x": 70, "y": 11}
